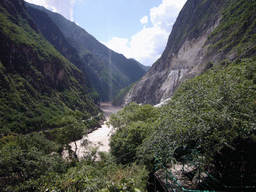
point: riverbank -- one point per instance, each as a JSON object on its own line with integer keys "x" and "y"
{"x": 101, "y": 135}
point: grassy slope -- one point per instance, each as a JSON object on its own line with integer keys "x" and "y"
{"x": 29, "y": 100}
{"x": 236, "y": 32}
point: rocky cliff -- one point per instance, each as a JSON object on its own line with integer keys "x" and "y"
{"x": 203, "y": 35}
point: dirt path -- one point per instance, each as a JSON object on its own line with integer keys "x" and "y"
{"x": 100, "y": 135}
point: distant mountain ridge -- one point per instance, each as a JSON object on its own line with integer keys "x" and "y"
{"x": 205, "y": 33}
{"x": 109, "y": 71}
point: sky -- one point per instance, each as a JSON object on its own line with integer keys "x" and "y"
{"x": 137, "y": 29}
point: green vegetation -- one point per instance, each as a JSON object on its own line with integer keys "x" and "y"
{"x": 33, "y": 163}
{"x": 209, "y": 113}
{"x": 45, "y": 98}
{"x": 109, "y": 72}
{"x": 214, "y": 113}
{"x": 132, "y": 126}
{"x": 236, "y": 32}
{"x": 118, "y": 99}
{"x": 24, "y": 109}
{"x": 38, "y": 85}
{"x": 45, "y": 104}
{"x": 194, "y": 21}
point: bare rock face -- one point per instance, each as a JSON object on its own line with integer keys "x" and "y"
{"x": 186, "y": 54}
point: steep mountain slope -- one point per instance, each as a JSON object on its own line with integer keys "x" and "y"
{"x": 109, "y": 71}
{"x": 205, "y": 31}
{"x": 145, "y": 68}
{"x": 53, "y": 34}
{"x": 38, "y": 85}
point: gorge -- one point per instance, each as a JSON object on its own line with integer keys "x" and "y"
{"x": 196, "y": 105}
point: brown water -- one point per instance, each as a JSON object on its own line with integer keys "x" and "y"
{"x": 100, "y": 135}
{"x": 108, "y": 109}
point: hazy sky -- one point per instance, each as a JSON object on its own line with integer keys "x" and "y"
{"x": 138, "y": 29}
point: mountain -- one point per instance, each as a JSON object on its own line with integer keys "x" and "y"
{"x": 53, "y": 34}
{"x": 38, "y": 84}
{"x": 145, "y": 68}
{"x": 205, "y": 33}
{"x": 109, "y": 71}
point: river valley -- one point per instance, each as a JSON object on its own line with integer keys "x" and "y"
{"x": 100, "y": 136}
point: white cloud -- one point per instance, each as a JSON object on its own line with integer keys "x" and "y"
{"x": 165, "y": 15}
{"x": 148, "y": 44}
{"x": 64, "y": 7}
{"x": 144, "y": 20}
{"x": 120, "y": 45}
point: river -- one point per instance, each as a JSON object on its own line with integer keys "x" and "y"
{"x": 101, "y": 135}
